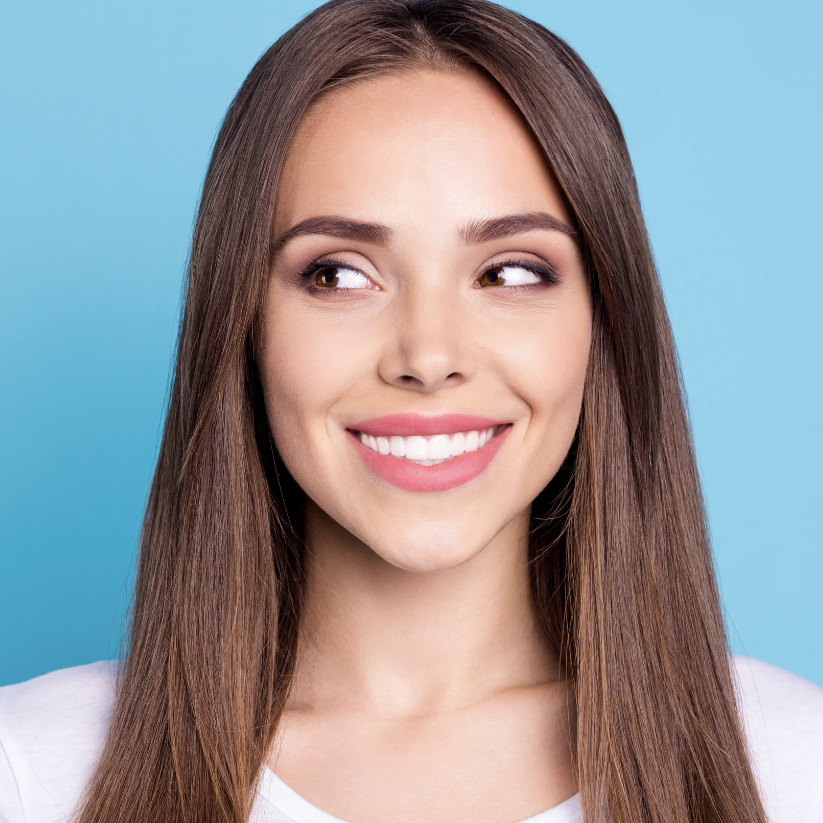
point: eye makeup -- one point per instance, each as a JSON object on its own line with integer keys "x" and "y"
{"x": 333, "y": 275}
{"x": 329, "y": 275}
{"x": 495, "y": 276}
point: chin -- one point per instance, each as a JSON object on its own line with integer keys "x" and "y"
{"x": 424, "y": 552}
{"x": 427, "y": 560}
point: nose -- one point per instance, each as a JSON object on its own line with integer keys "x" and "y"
{"x": 427, "y": 347}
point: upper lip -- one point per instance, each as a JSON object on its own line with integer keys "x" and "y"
{"x": 409, "y": 425}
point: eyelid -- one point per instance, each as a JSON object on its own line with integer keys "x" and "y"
{"x": 329, "y": 263}
{"x": 334, "y": 263}
{"x": 544, "y": 270}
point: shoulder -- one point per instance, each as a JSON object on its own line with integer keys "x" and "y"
{"x": 783, "y": 719}
{"x": 52, "y": 729}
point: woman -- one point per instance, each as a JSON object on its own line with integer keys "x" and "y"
{"x": 425, "y": 539}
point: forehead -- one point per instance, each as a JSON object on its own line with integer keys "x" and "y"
{"x": 443, "y": 141}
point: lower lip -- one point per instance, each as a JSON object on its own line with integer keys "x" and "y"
{"x": 447, "y": 475}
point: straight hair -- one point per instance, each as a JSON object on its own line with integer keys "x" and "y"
{"x": 620, "y": 562}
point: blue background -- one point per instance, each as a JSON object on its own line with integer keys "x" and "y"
{"x": 109, "y": 111}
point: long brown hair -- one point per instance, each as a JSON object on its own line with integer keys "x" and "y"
{"x": 621, "y": 565}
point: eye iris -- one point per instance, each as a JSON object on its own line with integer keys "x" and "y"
{"x": 493, "y": 277}
{"x": 326, "y": 278}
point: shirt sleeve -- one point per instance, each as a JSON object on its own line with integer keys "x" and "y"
{"x": 782, "y": 715}
{"x": 11, "y": 806}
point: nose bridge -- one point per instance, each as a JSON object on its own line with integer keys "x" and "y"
{"x": 428, "y": 348}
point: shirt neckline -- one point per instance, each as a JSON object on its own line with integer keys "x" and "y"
{"x": 299, "y": 810}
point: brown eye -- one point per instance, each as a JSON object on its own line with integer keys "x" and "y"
{"x": 510, "y": 274}
{"x": 492, "y": 277}
{"x": 331, "y": 276}
{"x": 326, "y": 278}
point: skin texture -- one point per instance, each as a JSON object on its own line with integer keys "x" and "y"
{"x": 425, "y": 690}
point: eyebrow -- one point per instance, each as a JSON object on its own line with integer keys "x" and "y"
{"x": 498, "y": 228}
{"x": 478, "y": 231}
{"x": 337, "y": 227}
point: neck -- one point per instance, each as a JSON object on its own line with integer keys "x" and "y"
{"x": 409, "y": 643}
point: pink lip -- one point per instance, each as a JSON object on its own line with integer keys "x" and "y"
{"x": 408, "y": 425}
{"x": 448, "y": 475}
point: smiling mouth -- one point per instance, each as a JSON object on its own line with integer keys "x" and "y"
{"x": 429, "y": 450}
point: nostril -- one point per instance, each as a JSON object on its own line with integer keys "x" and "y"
{"x": 420, "y": 382}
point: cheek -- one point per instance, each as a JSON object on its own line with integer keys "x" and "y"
{"x": 548, "y": 366}
{"x": 295, "y": 372}
{"x": 309, "y": 363}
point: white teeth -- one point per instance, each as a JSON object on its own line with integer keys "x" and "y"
{"x": 417, "y": 448}
{"x": 457, "y": 444}
{"x": 429, "y": 451}
{"x": 439, "y": 447}
{"x": 472, "y": 441}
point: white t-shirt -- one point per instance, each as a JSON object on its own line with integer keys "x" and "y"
{"x": 52, "y": 729}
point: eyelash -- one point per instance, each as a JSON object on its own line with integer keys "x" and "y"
{"x": 324, "y": 263}
{"x": 546, "y": 273}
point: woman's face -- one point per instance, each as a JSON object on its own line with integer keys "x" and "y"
{"x": 427, "y": 323}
